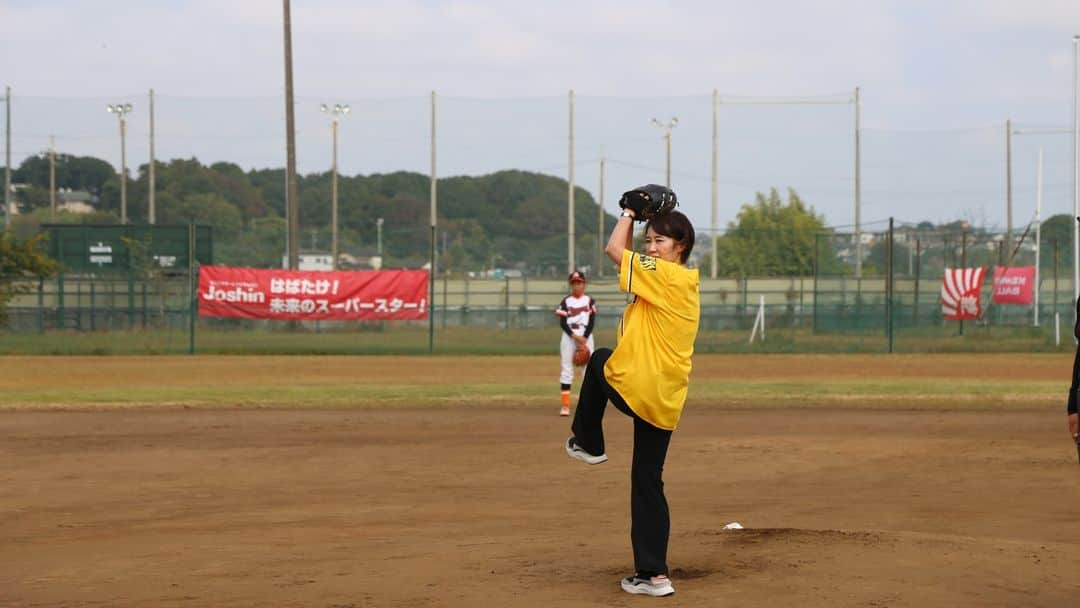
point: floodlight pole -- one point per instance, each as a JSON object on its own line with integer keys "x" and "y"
{"x": 336, "y": 111}
{"x": 121, "y": 110}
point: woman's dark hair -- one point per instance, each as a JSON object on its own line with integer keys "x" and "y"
{"x": 676, "y": 226}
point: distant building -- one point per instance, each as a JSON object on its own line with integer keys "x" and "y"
{"x": 311, "y": 260}
{"x": 75, "y": 201}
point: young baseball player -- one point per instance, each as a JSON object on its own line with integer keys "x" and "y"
{"x": 577, "y": 314}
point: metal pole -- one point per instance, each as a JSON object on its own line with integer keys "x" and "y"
{"x": 858, "y": 186}
{"x": 890, "y": 287}
{"x": 7, "y": 159}
{"x": 915, "y": 297}
{"x": 193, "y": 311}
{"x": 963, "y": 261}
{"x": 570, "y": 192}
{"x": 1008, "y": 186}
{"x": 334, "y": 203}
{"x": 715, "y": 181}
{"x": 378, "y": 238}
{"x": 152, "y": 203}
{"x": 123, "y": 168}
{"x": 52, "y": 179}
{"x": 600, "y": 220}
{"x": 1038, "y": 232}
{"x": 290, "y": 147}
{"x": 434, "y": 216}
{"x": 1076, "y": 168}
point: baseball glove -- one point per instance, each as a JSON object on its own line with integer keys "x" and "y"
{"x": 648, "y": 201}
{"x": 581, "y": 355}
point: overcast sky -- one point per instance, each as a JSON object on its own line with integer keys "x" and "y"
{"x": 938, "y": 80}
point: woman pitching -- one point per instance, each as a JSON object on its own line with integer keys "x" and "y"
{"x": 647, "y": 375}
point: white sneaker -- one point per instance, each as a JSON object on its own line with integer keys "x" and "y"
{"x": 565, "y": 411}
{"x": 656, "y": 586}
{"x": 573, "y": 450}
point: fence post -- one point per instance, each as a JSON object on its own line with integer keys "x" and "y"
{"x": 918, "y": 263}
{"x": 963, "y": 261}
{"x": 60, "y": 301}
{"x": 93, "y": 306}
{"x": 193, "y": 291}
{"x": 507, "y": 301}
{"x": 445, "y": 287}
{"x": 817, "y": 273}
{"x": 41, "y": 305}
{"x": 131, "y": 300}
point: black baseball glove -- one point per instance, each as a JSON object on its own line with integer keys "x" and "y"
{"x": 648, "y": 201}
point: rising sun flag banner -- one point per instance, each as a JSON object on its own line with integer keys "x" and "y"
{"x": 249, "y": 293}
{"x": 960, "y": 293}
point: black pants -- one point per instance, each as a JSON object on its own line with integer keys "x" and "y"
{"x": 650, "y": 523}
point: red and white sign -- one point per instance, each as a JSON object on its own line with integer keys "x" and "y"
{"x": 1013, "y": 285}
{"x": 250, "y": 293}
{"x": 960, "y": 291}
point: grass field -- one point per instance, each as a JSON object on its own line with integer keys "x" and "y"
{"x": 862, "y": 480}
{"x": 412, "y": 340}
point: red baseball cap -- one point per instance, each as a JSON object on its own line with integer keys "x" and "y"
{"x": 577, "y": 275}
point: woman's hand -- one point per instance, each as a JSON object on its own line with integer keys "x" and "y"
{"x": 1074, "y": 425}
{"x": 580, "y": 340}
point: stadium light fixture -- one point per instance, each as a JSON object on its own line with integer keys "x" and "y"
{"x": 121, "y": 110}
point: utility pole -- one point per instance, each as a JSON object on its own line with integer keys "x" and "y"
{"x": 293, "y": 200}
{"x": 858, "y": 186}
{"x": 1008, "y": 186}
{"x": 1038, "y": 234}
{"x": 52, "y": 179}
{"x": 434, "y": 216}
{"x": 1076, "y": 166}
{"x": 714, "y": 229}
{"x": 600, "y": 220}
{"x": 7, "y": 159}
{"x": 152, "y": 209}
{"x": 570, "y": 193}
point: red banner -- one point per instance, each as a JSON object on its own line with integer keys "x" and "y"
{"x": 960, "y": 293}
{"x": 1013, "y": 285}
{"x": 249, "y": 293}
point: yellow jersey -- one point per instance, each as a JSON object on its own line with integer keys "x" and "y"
{"x": 650, "y": 367}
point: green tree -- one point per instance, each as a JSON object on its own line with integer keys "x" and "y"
{"x": 774, "y": 238}
{"x": 21, "y": 260}
{"x": 1059, "y": 229}
{"x": 75, "y": 172}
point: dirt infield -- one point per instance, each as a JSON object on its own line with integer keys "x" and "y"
{"x": 476, "y": 504}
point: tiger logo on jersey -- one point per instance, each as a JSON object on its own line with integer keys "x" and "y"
{"x": 648, "y": 263}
